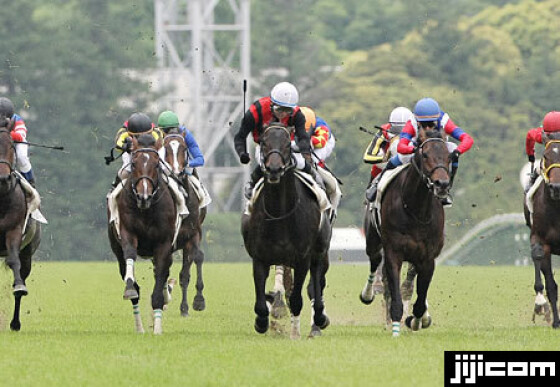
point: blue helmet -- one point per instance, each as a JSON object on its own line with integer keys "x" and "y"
{"x": 427, "y": 109}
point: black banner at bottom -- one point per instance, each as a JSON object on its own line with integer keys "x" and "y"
{"x": 485, "y": 368}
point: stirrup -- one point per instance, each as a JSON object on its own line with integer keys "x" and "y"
{"x": 249, "y": 190}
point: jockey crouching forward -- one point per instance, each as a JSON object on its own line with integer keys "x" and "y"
{"x": 428, "y": 115}
{"x": 384, "y": 145}
{"x": 323, "y": 143}
{"x": 551, "y": 124}
{"x": 281, "y": 106}
{"x": 19, "y": 136}
{"x": 168, "y": 122}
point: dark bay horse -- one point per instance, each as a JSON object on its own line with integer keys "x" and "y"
{"x": 190, "y": 235}
{"x": 147, "y": 216}
{"x": 286, "y": 227}
{"x": 412, "y": 220}
{"x": 17, "y": 244}
{"x": 545, "y": 225}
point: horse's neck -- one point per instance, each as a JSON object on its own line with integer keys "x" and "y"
{"x": 415, "y": 194}
{"x": 282, "y": 197}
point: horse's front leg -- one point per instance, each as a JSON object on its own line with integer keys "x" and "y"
{"x": 541, "y": 304}
{"x": 199, "y": 303}
{"x": 129, "y": 247}
{"x": 13, "y": 244}
{"x": 162, "y": 262}
{"x": 392, "y": 265}
{"x": 296, "y": 300}
{"x": 551, "y": 286}
{"x": 184, "y": 281}
{"x": 260, "y": 274}
{"x": 372, "y": 286}
{"x": 420, "y": 317}
{"x": 315, "y": 290}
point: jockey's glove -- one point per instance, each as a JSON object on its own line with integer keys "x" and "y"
{"x": 531, "y": 158}
{"x": 454, "y": 156}
{"x": 244, "y": 158}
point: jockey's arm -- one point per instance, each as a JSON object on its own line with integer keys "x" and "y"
{"x": 196, "y": 159}
{"x": 122, "y": 136}
{"x": 533, "y": 135}
{"x": 466, "y": 141}
{"x": 19, "y": 131}
{"x": 248, "y": 124}
{"x": 302, "y": 137}
{"x": 406, "y": 138}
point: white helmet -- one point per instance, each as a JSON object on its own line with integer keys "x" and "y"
{"x": 399, "y": 117}
{"x": 285, "y": 94}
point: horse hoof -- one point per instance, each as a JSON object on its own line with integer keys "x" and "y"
{"x": 279, "y": 308}
{"x": 426, "y": 321}
{"x": 261, "y": 325}
{"x": 365, "y": 300}
{"x": 198, "y": 303}
{"x": 130, "y": 294}
{"x": 322, "y": 322}
{"x": 408, "y": 323}
{"x": 20, "y": 290}
{"x": 315, "y": 331}
{"x": 556, "y": 324}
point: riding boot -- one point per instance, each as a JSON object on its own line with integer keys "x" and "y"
{"x": 448, "y": 200}
{"x": 371, "y": 191}
{"x": 116, "y": 181}
{"x": 256, "y": 175}
{"x": 30, "y": 177}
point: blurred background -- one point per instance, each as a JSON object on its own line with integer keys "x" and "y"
{"x": 76, "y": 69}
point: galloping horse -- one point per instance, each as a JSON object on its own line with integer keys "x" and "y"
{"x": 146, "y": 226}
{"x": 545, "y": 225}
{"x": 190, "y": 234}
{"x": 286, "y": 227}
{"x": 20, "y": 235}
{"x": 411, "y": 226}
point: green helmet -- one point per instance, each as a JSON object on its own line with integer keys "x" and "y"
{"x": 168, "y": 119}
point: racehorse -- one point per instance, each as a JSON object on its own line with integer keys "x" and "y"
{"x": 544, "y": 223}
{"x": 20, "y": 235}
{"x": 286, "y": 227}
{"x": 190, "y": 235}
{"x": 411, "y": 226}
{"x": 147, "y": 216}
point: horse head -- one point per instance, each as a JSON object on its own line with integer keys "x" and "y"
{"x": 8, "y": 178}
{"x": 276, "y": 152}
{"x": 175, "y": 152}
{"x": 551, "y": 164}
{"x": 431, "y": 160}
{"x": 145, "y": 169}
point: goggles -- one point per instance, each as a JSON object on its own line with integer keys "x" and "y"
{"x": 428, "y": 124}
{"x": 282, "y": 109}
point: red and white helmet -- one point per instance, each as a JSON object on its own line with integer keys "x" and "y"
{"x": 285, "y": 94}
{"x": 551, "y": 122}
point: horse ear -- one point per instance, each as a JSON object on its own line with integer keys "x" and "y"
{"x": 159, "y": 143}
{"x": 422, "y": 134}
{"x": 134, "y": 142}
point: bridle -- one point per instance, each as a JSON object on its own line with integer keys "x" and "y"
{"x": 154, "y": 183}
{"x": 286, "y": 164}
{"x": 427, "y": 176}
{"x": 545, "y": 169}
{"x": 10, "y": 177}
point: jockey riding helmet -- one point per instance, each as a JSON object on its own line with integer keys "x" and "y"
{"x": 551, "y": 122}
{"x": 167, "y": 120}
{"x": 399, "y": 117}
{"x": 6, "y": 107}
{"x": 310, "y": 118}
{"x": 139, "y": 123}
{"x": 426, "y": 110}
{"x": 284, "y": 94}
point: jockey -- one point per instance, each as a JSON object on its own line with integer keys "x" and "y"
{"x": 429, "y": 115}
{"x": 384, "y": 145}
{"x": 137, "y": 124}
{"x": 19, "y": 136}
{"x": 281, "y": 106}
{"x": 322, "y": 142}
{"x": 168, "y": 121}
{"x": 551, "y": 124}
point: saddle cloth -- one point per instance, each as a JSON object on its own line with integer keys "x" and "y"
{"x": 179, "y": 199}
{"x": 33, "y": 201}
{"x": 202, "y": 194}
{"x": 531, "y": 194}
{"x": 306, "y": 179}
{"x": 375, "y": 207}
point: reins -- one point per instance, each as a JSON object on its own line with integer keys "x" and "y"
{"x": 546, "y": 170}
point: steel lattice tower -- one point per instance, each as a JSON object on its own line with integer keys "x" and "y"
{"x": 203, "y": 53}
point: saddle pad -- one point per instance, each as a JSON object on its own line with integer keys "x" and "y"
{"x": 306, "y": 179}
{"x": 387, "y": 177}
{"x": 531, "y": 194}
{"x": 33, "y": 202}
{"x": 201, "y": 192}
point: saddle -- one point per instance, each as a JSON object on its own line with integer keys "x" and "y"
{"x": 200, "y": 191}
{"x": 375, "y": 206}
{"x": 33, "y": 200}
{"x": 530, "y": 195}
{"x": 306, "y": 179}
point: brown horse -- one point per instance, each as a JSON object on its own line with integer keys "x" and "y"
{"x": 147, "y": 216}
{"x": 286, "y": 227}
{"x": 16, "y": 243}
{"x": 190, "y": 235}
{"x": 545, "y": 225}
{"x": 412, "y": 220}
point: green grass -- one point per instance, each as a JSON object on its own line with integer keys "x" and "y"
{"x": 77, "y": 330}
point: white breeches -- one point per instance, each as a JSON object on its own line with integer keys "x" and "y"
{"x": 127, "y": 166}
{"x": 22, "y": 158}
{"x": 324, "y": 153}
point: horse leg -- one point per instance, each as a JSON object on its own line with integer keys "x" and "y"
{"x": 541, "y": 304}
{"x": 407, "y": 287}
{"x": 278, "y": 308}
{"x": 127, "y": 271}
{"x": 184, "y": 280}
{"x": 392, "y": 266}
{"x": 25, "y": 269}
{"x": 162, "y": 263}
{"x": 296, "y": 300}
{"x": 420, "y": 317}
{"x": 260, "y": 274}
{"x": 199, "y": 304}
{"x": 135, "y": 306}
{"x": 551, "y": 287}
{"x": 371, "y": 287}
{"x": 13, "y": 242}
{"x": 315, "y": 290}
